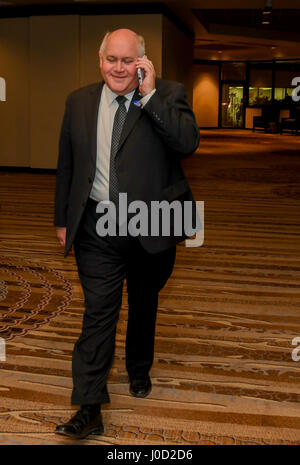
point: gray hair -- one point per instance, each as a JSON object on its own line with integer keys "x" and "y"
{"x": 140, "y": 42}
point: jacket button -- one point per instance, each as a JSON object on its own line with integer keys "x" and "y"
{"x": 83, "y": 204}
{"x": 90, "y": 180}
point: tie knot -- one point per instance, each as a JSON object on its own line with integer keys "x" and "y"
{"x": 121, "y": 99}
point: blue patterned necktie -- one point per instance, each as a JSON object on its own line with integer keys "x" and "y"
{"x": 119, "y": 121}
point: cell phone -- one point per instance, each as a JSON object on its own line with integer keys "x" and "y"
{"x": 141, "y": 74}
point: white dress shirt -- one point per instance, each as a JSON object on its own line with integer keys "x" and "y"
{"x": 106, "y": 113}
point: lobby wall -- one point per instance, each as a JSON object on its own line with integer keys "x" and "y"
{"x": 178, "y": 56}
{"x": 44, "y": 58}
{"x": 14, "y": 112}
{"x": 54, "y": 72}
{"x": 206, "y": 95}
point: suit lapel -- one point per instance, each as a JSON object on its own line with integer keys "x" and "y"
{"x": 91, "y": 112}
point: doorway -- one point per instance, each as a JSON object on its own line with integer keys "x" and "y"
{"x": 232, "y": 105}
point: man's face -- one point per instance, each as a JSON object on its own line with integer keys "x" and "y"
{"x": 117, "y": 63}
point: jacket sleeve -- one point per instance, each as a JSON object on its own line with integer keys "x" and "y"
{"x": 64, "y": 171}
{"x": 174, "y": 120}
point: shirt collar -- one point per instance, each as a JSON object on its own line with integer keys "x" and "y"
{"x": 111, "y": 96}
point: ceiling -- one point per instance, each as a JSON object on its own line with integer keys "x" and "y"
{"x": 234, "y": 33}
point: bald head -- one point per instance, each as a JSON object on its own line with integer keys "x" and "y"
{"x": 121, "y": 36}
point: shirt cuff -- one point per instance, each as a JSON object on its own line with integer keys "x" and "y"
{"x": 146, "y": 98}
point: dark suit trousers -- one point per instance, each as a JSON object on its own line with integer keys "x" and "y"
{"x": 103, "y": 264}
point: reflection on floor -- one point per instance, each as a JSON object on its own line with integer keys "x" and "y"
{"x": 224, "y": 372}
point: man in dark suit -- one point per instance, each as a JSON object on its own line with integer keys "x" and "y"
{"x": 119, "y": 136}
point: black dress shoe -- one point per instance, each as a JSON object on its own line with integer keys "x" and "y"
{"x": 140, "y": 387}
{"x": 83, "y": 423}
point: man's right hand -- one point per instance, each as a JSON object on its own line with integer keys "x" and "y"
{"x": 61, "y": 236}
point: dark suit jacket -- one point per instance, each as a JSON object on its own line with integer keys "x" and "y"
{"x": 153, "y": 141}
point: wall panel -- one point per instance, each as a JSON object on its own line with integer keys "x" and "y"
{"x": 54, "y": 73}
{"x": 14, "y": 112}
{"x": 178, "y": 56}
{"x": 206, "y": 95}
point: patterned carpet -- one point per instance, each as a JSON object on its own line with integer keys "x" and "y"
{"x": 34, "y": 294}
{"x": 3, "y": 290}
{"x": 223, "y": 372}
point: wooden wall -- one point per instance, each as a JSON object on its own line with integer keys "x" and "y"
{"x": 44, "y": 58}
{"x": 206, "y": 95}
{"x": 14, "y": 112}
